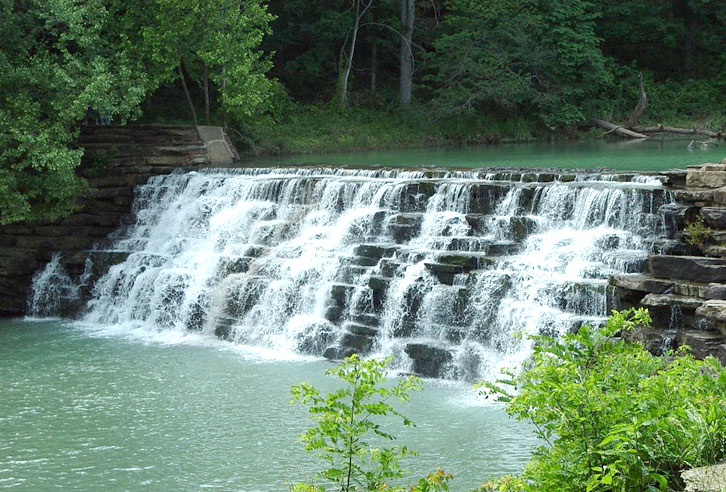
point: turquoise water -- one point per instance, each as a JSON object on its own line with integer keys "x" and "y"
{"x": 92, "y": 408}
{"x": 650, "y": 155}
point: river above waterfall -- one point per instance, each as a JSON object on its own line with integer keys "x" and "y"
{"x": 655, "y": 154}
{"x": 87, "y": 408}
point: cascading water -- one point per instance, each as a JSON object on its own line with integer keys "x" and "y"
{"x": 438, "y": 269}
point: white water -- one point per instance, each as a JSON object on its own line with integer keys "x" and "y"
{"x": 270, "y": 258}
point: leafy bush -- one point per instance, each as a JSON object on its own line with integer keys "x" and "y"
{"x": 613, "y": 416}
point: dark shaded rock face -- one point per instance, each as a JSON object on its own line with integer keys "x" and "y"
{"x": 115, "y": 161}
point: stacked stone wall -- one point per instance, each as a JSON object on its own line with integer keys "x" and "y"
{"x": 116, "y": 159}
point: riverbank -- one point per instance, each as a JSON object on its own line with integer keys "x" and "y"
{"x": 320, "y": 129}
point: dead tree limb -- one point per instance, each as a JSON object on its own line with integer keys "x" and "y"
{"x": 680, "y": 131}
{"x": 617, "y": 130}
{"x": 640, "y": 107}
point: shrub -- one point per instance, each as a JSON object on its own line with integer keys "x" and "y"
{"x": 345, "y": 418}
{"x": 612, "y": 416}
{"x": 697, "y": 232}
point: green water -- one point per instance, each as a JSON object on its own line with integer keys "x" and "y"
{"x": 85, "y": 408}
{"x": 649, "y": 155}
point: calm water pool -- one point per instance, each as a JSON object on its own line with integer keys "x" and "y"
{"x": 649, "y": 155}
{"x": 90, "y": 408}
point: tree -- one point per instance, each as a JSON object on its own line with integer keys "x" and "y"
{"x": 62, "y": 57}
{"x": 55, "y": 63}
{"x": 216, "y": 41}
{"x": 408, "y": 16}
{"x": 541, "y": 56}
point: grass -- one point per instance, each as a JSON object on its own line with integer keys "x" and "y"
{"x": 312, "y": 129}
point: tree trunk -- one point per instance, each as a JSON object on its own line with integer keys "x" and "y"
{"x": 640, "y": 107}
{"x": 374, "y": 55}
{"x": 374, "y": 67}
{"x": 206, "y": 95}
{"x": 408, "y": 13}
{"x": 679, "y": 131}
{"x": 617, "y": 130}
{"x": 186, "y": 92}
{"x": 222, "y": 97}
{"x": 348, "y": 62}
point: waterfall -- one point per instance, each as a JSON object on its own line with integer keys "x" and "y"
{"x": 441, "y": 270}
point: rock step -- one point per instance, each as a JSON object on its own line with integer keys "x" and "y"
{"x": 428, "y": 361}
{"x": 690, "y": 268}
{"x": 671, "y": 300}
{"x": 371, "y": 320}
{"x": 359, "y": 329}
{"x": 445, "y": 273}
{"x": 702, "y": 343}
{"x": 377, "y": 251}
{"x": 229, "y": 265}
{"x": 648, "y": 284}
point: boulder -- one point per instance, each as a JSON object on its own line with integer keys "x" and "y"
{"x": 714, "y": 217}
{"x": 693, "y": 268}
{"x": 445, "y": 273}
{"x": 428, "y": 361}
{"x": 721, "y": 354}
{"x": 705, "y": 478}
{"x": 358, "y": 329}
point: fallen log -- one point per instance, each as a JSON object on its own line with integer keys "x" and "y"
{"x": 680, "y": 131}
{"x": 616, "y": 129}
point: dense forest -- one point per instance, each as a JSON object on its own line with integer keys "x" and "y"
{"x": 294, "y": 75}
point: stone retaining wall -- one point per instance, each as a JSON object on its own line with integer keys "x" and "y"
{"x": 116, "y": 159}
{"x": 686, "y": 293}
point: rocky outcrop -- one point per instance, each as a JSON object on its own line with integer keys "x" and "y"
{"x": 685, "y": 290}
{"x": 115, "y": 161}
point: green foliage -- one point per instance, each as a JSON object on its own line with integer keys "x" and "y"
{"x": 697, "y": 232}
{"x": 222, "y": 35}
{"x": 615, "y": 417}
{"x": 59, "y": 58}
{"x": 347, "y": 417}
{"x": 540, "y": 56}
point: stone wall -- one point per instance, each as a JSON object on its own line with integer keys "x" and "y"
{"x": 116, "y": 159}
{"x": 686, "y": 292}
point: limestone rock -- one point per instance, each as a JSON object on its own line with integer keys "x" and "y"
{"x": 705, "y": 478}
{"x": 714, "y": 216}
{"x": 716, "y": 291}
{"x": 719, "y": 195}
{"x": 643, "y": 283}
{"x": 706, "y": 177}
{"x": 667, "y": 300}
{"x": 693, "y": 268}
{"x": 691, "y": 195}
{"x": 713, "y": 309}
{"x": 702, "y": 343}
